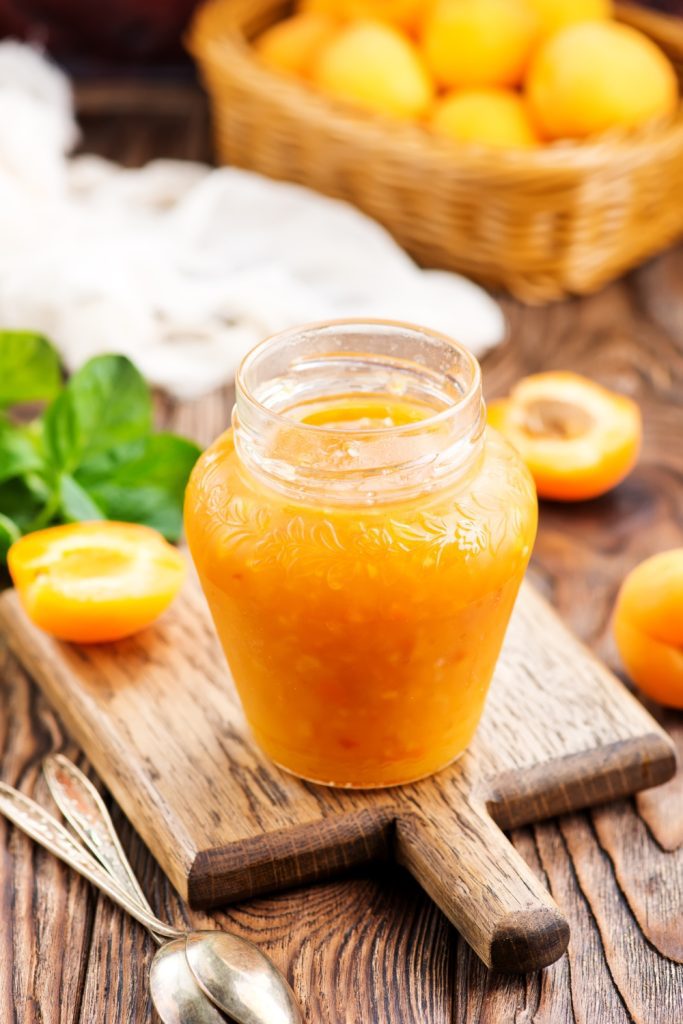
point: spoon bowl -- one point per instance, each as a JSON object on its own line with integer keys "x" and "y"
{"x": 175, "y": 993}
{"x": 240, "y": 979}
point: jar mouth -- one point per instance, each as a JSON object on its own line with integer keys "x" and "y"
{"x": 333, "y": 328}
{"x": 419, "y": 373}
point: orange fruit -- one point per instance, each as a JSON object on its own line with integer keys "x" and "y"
{"x": 578, "y": 439}
{"x": 648, "y": 626}
{"x": 598, "y": 75}
{"x": 376, "y": 67}
{"x": 479, "y": 42}
{"x": 492, "y": 117}
{"x": 292, "y": 45}
{"x": 95, "y": 582}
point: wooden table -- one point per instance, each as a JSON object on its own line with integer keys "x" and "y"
{"x": 372, "y": 949}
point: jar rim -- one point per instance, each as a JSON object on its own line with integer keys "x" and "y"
{"x": 406, "y": 328}
{"x": 358, "y": 463}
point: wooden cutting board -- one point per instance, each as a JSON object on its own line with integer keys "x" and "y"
{"x": 158, "y": 718}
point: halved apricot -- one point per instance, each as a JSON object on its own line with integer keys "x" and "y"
{"x": 578, "y": 439}
{"x": 648, "y": 626}
{"x": 95, "y": 582}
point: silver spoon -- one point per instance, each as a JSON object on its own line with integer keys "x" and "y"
{"x": 85, "y": 811}
{"x": 230, "y": 970}
{"x": 175, "y": 991}
{"x": 251, "y": 990}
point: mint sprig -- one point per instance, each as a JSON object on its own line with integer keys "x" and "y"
{"x": 91, "y": 453}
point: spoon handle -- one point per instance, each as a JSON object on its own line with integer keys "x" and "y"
{"x": 84, "y": 809}
{"x": 45, "y": 830}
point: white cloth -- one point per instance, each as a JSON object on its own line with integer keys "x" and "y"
{"x": 182, "y": 267}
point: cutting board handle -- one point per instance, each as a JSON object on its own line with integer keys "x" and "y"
{"x": 483, "y": 886}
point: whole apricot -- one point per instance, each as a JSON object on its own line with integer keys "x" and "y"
{"x": 479, "y": 42}
{"x": 556, "y": 14}
{"x": 293, "y": 44}
{"x": 648, "y": 626}
{"x": 492, "y": 117}
{"x": 598, "y": 75}
{"x": 376, "y": 67}
{"x": 406, "y": 14}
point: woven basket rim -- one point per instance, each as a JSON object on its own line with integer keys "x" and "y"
{"x": 642, "y": 144}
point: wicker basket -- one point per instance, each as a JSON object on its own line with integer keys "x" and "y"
{"x": 542, "y": 223}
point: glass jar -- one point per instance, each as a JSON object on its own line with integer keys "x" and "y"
{"x": 361, "y": 535}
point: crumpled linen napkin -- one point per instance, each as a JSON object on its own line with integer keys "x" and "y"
{"x": 182, "y": 267}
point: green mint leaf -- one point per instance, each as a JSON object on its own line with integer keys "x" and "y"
{"x": 9, "y": 532}
{"x": 19, "y": 453}
{"x": 20, "y": 501}
{"x": 143, "y": 483}
{"x": 29, "y": 368}
{"x": 105, "y": 404}
{"x": 75, "y": 504}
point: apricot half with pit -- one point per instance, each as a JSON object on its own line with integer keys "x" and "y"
{"x": 578, "y": 439}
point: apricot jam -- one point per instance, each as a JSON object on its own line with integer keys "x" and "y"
{"x": 361, "y": 536}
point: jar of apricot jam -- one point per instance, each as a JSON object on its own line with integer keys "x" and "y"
{"x": 361, "y": 536}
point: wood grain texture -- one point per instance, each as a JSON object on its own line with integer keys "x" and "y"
{"x": 158, "y": 717}
{"x": 661, "y": 808}
{"x": 657, "y": 906}
{"x": 372, "y": 949}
